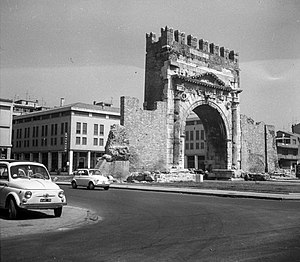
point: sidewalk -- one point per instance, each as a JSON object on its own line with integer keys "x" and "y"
{"x": 221, "y": 193}
{"x": 42, "y": 221}
{"x": 209, "y": 192}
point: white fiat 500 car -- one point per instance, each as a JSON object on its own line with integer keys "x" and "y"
{"x": 28, "y": 185}
{"x": 90, "y": 178}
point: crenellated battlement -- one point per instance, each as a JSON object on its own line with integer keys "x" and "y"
{"x": 174, "y": 38}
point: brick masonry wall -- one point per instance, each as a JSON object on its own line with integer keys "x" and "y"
{"x": 252, "y": 145}
{"x": 271, "y": 150}
{"x": 147, "y": 134}
{"x": 258, "y": 148}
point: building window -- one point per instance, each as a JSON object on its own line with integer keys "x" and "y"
{"x": 46, "y": 130}
{"x": 101, "y": 141}
{"x": 55, "y": 129}
{"x": 191, "y": 135}
{"x": 52, "y": 129}
{"x": 202, "y": 134}
{"x": 66, "y": 127}
{"x": 101, "y": 130}
{"x": 84, "y": 128}
{"x": 78, "y": 128}
{"x": 202, "y": 145}
{"x": 43, "y": 130}
{"x": 95, "y": 141}
{"x": 191, "y": 146}
{"x": 95, "y": 129}
{"x": 61, "y": 140}
{"x": 77, "y": 140}
{"x": 197, "y": 146}
{"x": 37, "y": 131}
{"x": 45, "y": 141}
{"x": 197, "y": 135}
{"x": 187, "y": 136}
{"x": 187, "y": 146}
{"x": 84, "y": 140}
{"x": 62, "y": 128}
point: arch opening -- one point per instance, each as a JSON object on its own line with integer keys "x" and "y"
{"x": 205, "y": 139}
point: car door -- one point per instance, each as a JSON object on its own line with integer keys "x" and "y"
{"x": 85, "y": 178}
{"x": 3, "y": 183}
{"x": 79, "y": 177}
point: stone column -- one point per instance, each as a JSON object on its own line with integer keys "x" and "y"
{"x": 59, "y": 162}
{"x": 235, "y": 136}
{"x": 89, "y": 159}
{"x": 196, "y": 161}
{"x": 40, "y": 157}
{"x": 70, "y": 162}
{"x": 49, "y": 161}
{"x": 182, "y": 151}
{"x": 8, "y": 153}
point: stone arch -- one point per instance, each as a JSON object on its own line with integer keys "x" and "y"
{"x": 197, "y": 103}
{"x": 218, "y": 124}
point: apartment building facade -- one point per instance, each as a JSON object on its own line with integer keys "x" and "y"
{"x": 66, "y": 137}
{"x": 288, "y": 150}
{"x": 195, "y": 144}
{"x": 6, "y": 113}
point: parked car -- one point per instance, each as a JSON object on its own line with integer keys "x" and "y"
{"x": 256, "y": 177}
{"x": 28, "y": 185}
{"x": 90, "y": 178}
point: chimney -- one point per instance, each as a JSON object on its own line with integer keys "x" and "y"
{"x": 62, "y": 101}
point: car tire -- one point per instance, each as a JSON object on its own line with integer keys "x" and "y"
{"x": 106, "y": 188}
{"x": 91, "y": 186}
{"x": 74, "y": 185}
{"x": 12, "y": 209}
{"x": 57, "y": 211}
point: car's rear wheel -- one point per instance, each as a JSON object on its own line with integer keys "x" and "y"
{"x": 57, "y": 211}
{"x": 91, "y": 186}
{"x": 106, "y": 187}
{"x": 12, "y": 209}
{"x": 74, "y": 185}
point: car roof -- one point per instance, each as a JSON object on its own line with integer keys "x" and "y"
{"x": 80, "y": 169}
{"x": 12, "y": 161}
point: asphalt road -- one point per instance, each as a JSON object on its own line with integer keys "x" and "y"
{"x": 151, "y": 226}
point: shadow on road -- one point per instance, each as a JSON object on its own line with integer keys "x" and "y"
{"x": 25, "y": 215}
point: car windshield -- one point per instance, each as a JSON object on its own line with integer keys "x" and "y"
{"x": 95, "y": 172}
{"x": 29, "y": 171}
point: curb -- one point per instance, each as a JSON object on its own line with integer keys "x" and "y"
{"x": 207, "y": 192}
{"x": 43, "y": 221}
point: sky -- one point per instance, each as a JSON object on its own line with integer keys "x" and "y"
{"x": 93, "y": 50}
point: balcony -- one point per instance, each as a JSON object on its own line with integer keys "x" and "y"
{"x": 288, "y": 157}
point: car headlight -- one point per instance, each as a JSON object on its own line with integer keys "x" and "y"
{"x": 61, "y": 194}
{"x": 28, "y": 194}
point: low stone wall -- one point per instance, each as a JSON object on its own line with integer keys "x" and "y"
{"x": 118, "y": 169}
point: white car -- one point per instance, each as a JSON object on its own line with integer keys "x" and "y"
{"x": 28, "y": 185}
{"x": 90, "y": 178}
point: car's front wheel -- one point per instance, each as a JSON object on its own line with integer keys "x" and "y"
{"x": 91, "y": 186}
{"x": 12, "y": 209}
{"x": 58, "y": 212}
{"x": 106, "y": 187}
{"x": 74, "y": 185}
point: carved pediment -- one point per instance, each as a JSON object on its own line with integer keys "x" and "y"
{"x": 209, "y": 78}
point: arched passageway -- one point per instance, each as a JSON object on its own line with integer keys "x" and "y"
{"x": 206, "y": 139}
